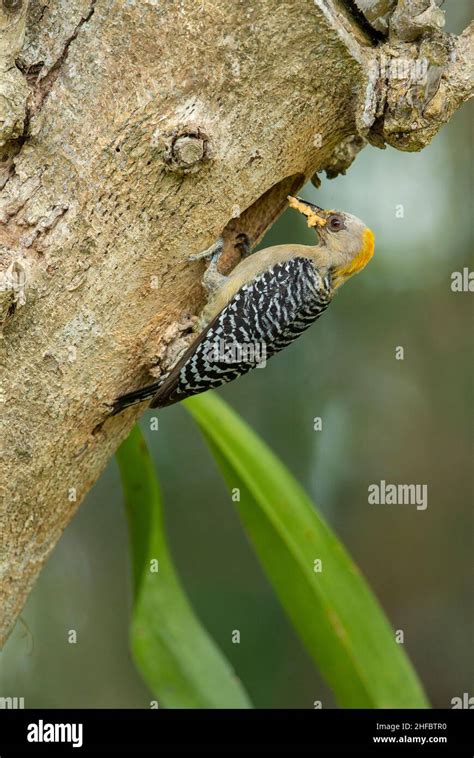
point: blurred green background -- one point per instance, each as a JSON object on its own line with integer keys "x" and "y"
{"x": 403, "y": 421}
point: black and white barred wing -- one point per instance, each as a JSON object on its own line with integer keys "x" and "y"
{"x": 262, "y": 318}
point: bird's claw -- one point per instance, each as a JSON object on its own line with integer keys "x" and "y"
{"x": 214, "y": 250}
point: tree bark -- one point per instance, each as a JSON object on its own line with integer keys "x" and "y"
{"x": 132, "y": 134}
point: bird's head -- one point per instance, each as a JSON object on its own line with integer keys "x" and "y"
{"x": 346, "y": 244}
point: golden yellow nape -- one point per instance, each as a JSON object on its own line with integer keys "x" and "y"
{"x": 359, "y": 261}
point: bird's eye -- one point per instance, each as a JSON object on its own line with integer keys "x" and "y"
{"x": 335, "y": 223}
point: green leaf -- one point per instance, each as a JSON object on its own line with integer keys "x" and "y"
{"x": 173, "y": 652}
{"x": 334, "y": 611}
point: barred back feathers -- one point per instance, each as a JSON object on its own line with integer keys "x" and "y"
{"x": 262, "y": 318}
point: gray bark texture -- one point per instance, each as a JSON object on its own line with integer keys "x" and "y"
{"x": 132, "y": 134}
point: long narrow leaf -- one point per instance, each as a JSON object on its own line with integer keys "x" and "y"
{"x": 333, "y": 610}
{"x": 175, "y": 655}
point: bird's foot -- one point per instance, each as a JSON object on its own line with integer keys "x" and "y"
{"x": 214, "y": 250}
{"x": 212, "y": 278}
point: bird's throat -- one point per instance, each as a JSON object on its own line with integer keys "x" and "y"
{"x": 360, "y": 261}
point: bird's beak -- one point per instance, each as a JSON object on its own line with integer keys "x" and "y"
{"x": 313, "y": 212}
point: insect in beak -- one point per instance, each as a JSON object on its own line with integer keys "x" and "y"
{"x": 311, "y": 211}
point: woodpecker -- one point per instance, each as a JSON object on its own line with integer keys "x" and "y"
{"x": 266, "y": 302}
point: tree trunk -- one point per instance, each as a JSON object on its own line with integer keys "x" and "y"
{"x": 132, "y": 135}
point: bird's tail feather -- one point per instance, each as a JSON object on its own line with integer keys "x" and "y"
{"x": 137, "y": 396}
